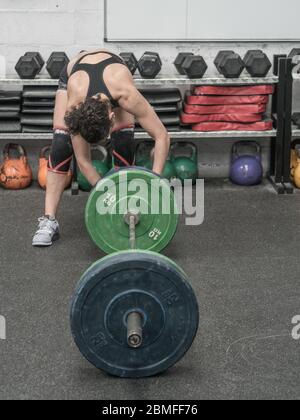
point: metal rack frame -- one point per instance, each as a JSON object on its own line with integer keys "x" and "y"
{"x": 290, "y": 131}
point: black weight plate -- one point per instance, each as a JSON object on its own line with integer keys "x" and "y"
{"x": 9, "y": 107}
{"x": 30, "y": 110}
{"x": 39, "y": 102}
{"x": 10, "y": 126}
{"x": 9, "y": 115}
{"x": 37, "y": 129}
{"x": 170, "y": 119}
{"x": 165, "y": 109}
{"x": 162, "y": 96}
{"x": 39, "y": 92}
{"x": 9, "y": 96}
{"x": 40, "y": 120}
{"x": 139, "y": 129}
{"x": 134, "y": 281}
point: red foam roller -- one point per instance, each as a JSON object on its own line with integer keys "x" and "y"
{"x": 223, "y": 126}
{"x": 227, "y": 100}
{"x": 242, "y": 118}
{"x": 235, "y": 90}
{"x": 224, "y": 109}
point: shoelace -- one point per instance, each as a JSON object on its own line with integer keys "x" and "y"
{"x": 45, "y": 226}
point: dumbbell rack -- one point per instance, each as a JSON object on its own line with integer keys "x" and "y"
{"x": 278, "y": 114}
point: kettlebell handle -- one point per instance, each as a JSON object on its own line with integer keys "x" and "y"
{"x": 43, "y": 152}
{"x": 13, "y": 146}
{"x": 102, "y": 150}
{"x": 236, "y": 146}
{"x": 295, "y": 143}
{"x": 147, "y": 143}
{"x": 185, "y": 145}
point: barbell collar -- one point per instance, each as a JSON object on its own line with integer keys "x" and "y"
{"x": 132, "y": 219}
{"x": 134, "y": 330}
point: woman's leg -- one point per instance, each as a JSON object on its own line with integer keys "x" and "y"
{"x": 60, "y": 156}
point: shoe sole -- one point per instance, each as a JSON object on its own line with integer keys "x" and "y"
{"x": 43, "y": 244}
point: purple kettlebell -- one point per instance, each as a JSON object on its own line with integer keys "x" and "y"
{"x": 246, "y": 169}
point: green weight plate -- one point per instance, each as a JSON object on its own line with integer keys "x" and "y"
{"x": 131, "y": 189}
{"x": 134, "y": 281}
{"x": 102, "y": 169}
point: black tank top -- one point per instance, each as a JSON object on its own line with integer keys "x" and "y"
{"x": 95, "y": 73}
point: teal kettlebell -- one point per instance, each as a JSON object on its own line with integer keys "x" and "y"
{"x": 144, "y": 159}
{"x": 186, "y": 167}
{"x": 142, "y": 154}
{"x": 101, "y": 165}
{"x": 169, "y": 172}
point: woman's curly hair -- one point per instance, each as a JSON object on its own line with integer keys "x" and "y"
{"x": 90, "y": 119}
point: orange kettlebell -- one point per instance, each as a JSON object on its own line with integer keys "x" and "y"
{"x": 297, "y": 169}
{"x": 43, "y": 169}
{"x": 294, "y": 156}
{"x": 293, "y": 163}
{"x": 15, "y": 172}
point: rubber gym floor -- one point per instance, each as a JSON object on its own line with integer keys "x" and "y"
{"x": 243, "y": 264}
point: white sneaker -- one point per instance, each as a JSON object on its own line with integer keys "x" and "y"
{"x": 47, "y": 233}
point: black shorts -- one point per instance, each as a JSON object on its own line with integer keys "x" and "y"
{"x": 122, "y": 150}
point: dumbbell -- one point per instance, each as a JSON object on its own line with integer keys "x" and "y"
{"x": 229, "y": 64}
{"x": 134, "y": 313}
{"x": 29, "y": 65}
{"x": 257, "y": 63}
{"x": 296, "y": 119}
{"x": 193, "y": 66}
{"x": 130, "y": 60}
{"x": 56, "y": 63}
{"x": 150, "y": 65}
{"x": 294, "y": 54}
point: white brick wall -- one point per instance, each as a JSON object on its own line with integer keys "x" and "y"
{"x": 72, "y": 25}
{"x": 68, "y": 25}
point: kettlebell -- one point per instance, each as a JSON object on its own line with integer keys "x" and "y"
{"x": 144, "y": 159}
{"x": 297, "y": 168}
{"x": 142, "y": 154}
{"x": 101, "y": 165}
{"x": 43, "y": 169}
{"x": 294, "y": 155}
{"x": 15, "y": 172}
{"x": 246, "y": 169}
{"x": 186, "y": 167}
{"x": 169, "y": 171}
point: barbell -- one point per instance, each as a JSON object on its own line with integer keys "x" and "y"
{"x": 134, "y": 313}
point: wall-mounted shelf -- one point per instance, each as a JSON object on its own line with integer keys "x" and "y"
{"x": 141, "y": 135}
{"x": 215, "y": 134}
{"x": 28, "y": 82}
{"x": 159, "y": 81}
{"x": 295, "y": 132}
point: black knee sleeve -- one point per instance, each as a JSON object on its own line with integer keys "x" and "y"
{"x": 61, "y": 154}
{"x": 123, "y": 150}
